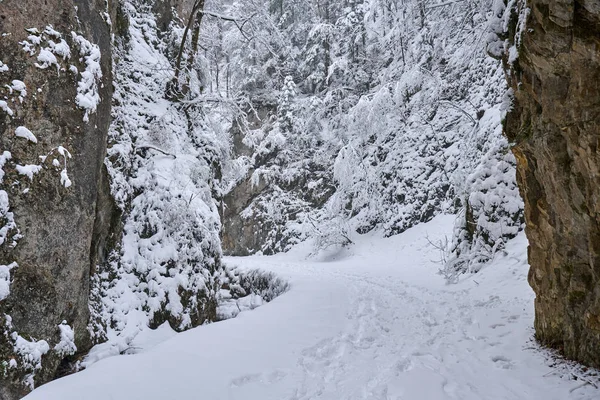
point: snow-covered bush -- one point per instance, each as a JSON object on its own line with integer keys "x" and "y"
{"x": 492, "y": 215}
{"x": 330, "y": 232}
{"x": 163, "y": 162}
{"x": 492, "y": 208}
{"x": 265, "y": 284}
{"x": 247, "y": 289}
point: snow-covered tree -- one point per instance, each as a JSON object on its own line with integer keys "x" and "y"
{"x": 396, "y": 104}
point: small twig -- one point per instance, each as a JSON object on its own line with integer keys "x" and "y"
{"x": 441, "y": 246}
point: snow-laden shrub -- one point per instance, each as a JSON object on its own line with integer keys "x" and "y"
{"x": 492, "y": 208}
{"x": 247, "y": 289}
{"x": 492, "y": 215}
{"x": 330, "y": 232}
{"x": 163, "y": 160}
{"x": 265, "y": 284}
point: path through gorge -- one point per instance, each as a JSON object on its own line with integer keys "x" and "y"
{"x": 371, "y": 322}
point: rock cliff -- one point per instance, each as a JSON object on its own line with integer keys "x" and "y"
{"x": 55, "y": 74}
{"x": 554, "y": 71}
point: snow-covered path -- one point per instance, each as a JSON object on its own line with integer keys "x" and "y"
{"x": 373, "y": 323}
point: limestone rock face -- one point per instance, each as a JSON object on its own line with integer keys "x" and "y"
{"x": 244, "y": 236}
{"x": 54, "y": 213}
{"x": 555, "y": 126}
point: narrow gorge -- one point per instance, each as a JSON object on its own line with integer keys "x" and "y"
{"x": 145, "y": 142}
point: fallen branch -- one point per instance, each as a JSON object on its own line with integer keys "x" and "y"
{"x": 150, "y": 147}
{"x": 448, "y": 3}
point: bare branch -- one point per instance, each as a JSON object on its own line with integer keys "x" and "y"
{"x": 150, "y": 147}
{"x": 451, "y": 104}
{"x": 448, "y": 3}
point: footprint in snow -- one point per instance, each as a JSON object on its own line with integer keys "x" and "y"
{"x": 503, "y": 362}
{"x": 364, "y": 343}
{"x": 244, "y": 380}
{"x": 268, "y": 378}
{"x": 403, "y": 365}
{"x": 491, "y": 302}
{"x": 513, "y": 318}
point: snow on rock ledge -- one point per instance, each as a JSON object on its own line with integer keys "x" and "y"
{"x": 25, "y": 133}
{"x": 66, "y": 346}
{"x": 87, "y": 89}
{"x": 5, "y": 279}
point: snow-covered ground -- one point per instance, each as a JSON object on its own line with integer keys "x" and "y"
{"x": 372, "y": 322}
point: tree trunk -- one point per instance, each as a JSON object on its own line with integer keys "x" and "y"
{"x": 198, "y": 5}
